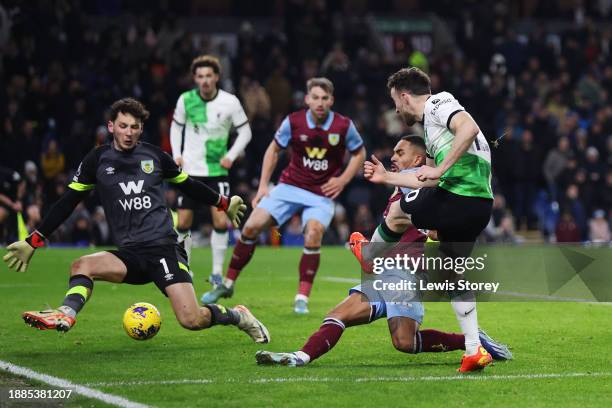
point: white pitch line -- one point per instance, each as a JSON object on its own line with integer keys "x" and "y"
{"x": 65, "y": 384}
{"x": 356, "y": 380}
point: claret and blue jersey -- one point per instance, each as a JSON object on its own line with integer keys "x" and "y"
{"x": 317, "y": 152}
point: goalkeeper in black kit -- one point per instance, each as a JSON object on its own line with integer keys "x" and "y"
{"x": 129, "y": 175}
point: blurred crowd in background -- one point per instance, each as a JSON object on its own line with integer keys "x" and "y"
{"x": 536, "y": 76}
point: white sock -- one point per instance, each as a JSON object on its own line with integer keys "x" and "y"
{"x": 376, "y": 237}
{"x": 188, "y": 243}
{"x": 228, "y": 283}
{"x": 218, "y": 244}
{"x": 301, "y": 297}
{"x": 68, "y": 311}
{"x": 465, "y": 310}
{"x": 302, "y": 356}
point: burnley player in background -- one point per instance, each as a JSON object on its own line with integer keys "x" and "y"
{"x": 362, "y": 307}
{"x": 319, "y": 139}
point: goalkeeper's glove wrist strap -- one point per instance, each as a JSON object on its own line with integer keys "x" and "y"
{"x": 36, "y": 239}
{"x": 223, "y": 203}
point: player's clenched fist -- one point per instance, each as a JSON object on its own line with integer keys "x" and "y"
{"x": 374, "y": 170}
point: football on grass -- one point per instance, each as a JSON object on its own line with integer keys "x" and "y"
{"x": 141, "y": 321}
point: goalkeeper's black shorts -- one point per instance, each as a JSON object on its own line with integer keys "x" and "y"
{"x": 162, "y": 264}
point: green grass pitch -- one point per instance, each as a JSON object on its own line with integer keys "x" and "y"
{"x": 562, "y": 350}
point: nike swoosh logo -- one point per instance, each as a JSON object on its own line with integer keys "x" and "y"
{"x": 470, "y": 311}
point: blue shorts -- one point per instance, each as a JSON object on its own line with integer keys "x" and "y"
{"x": 285, "y": 200}
{"x": 413, "y": 310}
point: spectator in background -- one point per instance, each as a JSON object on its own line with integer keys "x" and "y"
{"x": 605, "y": 200}
{"x": 505, "y": 233}
{"x": 599, "y": 229}
{"x": 364, "y": 221}
{"x": 567, "y": 229}
{"x": 80, "y": 234}
{"x": 279, "y": 88}
{"x": 526, "y": 173}
{"x": 555, "y": 163}
{"x": 256, "y": 99}
{"x": 52, "y": 161}
{"x": 594, "y": 168}
{"x": 10, "y": 204}
{"x": 573, "y": 206}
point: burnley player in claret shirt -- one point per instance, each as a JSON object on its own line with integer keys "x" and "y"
{"x": 319, "y": 139}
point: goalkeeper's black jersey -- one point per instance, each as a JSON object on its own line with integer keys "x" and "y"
{"x": 130, "y": 187}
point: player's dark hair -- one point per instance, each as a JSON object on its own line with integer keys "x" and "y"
{"x": 206, "y": 61}
{"x": 322, "y": 83}
{"x": 131, "y": 106}
{"x": 415, "y": 141}
{"x": 412, "y": 80}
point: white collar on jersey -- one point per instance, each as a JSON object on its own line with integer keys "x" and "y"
{"x": 312, "y": 124}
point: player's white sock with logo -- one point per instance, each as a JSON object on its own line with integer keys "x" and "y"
{"x": 218, "y": 244}
{"x": 184, "y": 237}
{"x": 302, "y": 356}
{"x": 465, "y": 310}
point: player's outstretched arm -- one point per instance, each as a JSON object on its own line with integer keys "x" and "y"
{"x": 269, "y": 164}
{"x": 375, "y": 172}
{"x": 233, "y": 207}
{"x": 19, "y": 253}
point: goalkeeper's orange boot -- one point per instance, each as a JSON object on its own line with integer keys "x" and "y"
{"x": 356, "y": 240}
{"x": 52, "y": 319}
{"x": 476, "y": 361}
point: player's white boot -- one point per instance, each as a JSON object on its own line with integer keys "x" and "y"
{"x": 251, "y": 326}
{"x": 270, "y": 358}
{"x": 300, "y": 305}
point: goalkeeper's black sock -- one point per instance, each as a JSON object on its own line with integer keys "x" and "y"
{"x": 219, "y": 314}
{"x": 79, "y": 290}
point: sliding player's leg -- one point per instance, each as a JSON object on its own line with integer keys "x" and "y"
{"x": 352, "y": 311}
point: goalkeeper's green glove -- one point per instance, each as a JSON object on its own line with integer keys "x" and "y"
{"x": 234, "y": 207}
{"x": 20, "y": 252}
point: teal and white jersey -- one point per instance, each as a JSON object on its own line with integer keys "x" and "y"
{"x": 206, "y": 130}
{"x": 471, "y": 174}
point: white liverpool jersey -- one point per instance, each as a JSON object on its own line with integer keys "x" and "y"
{"x": 206, "y": 130}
